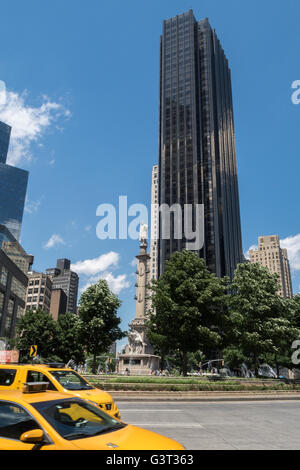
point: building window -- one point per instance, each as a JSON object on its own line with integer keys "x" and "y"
{"x": 18, "y": 289}
{"x": 20, "y": 312}
{"x": 4, "y": 276}
{"x": 8, "y": 319}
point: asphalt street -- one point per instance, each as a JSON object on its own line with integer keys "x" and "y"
{"x": 268, "y": 425}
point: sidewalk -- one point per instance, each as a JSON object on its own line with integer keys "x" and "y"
{"x": 203, "y": 396}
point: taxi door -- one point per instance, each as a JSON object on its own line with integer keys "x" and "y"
{"x": 12, "y": 444}
{"x": 14, "y": 421}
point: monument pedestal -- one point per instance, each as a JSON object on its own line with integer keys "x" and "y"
{"x": 139, "y": 357}
{"x": 138, "y": 364}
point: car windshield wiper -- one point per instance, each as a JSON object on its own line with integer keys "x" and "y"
{"x": 76, "y": 436}
{"x": 103, "y": 431}
{"x": 71, "y": 386}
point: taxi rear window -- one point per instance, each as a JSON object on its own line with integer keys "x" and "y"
{"x": 7, "y": 377}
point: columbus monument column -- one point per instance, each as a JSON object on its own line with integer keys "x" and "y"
{"x": 139, "y": 358}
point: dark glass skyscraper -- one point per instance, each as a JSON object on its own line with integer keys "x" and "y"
{"x": 197, "y": 157}
{"x": 13, "y": 185}
{"x": 4, "y": 141}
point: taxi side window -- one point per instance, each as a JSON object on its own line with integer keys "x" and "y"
{"x": 7, "y": 376}
{"x": 35, "y": 376}
{"x": 14, "y": 420}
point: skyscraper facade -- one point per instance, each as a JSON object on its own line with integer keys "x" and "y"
{"x": 18, "y": 255}
{"x": 5, "y": 131}
{"x": 5, "y": 235}
{"x": 271, "y": 256}
{"x": 67, "y": 280}
{"x": 197, "y": 156}
{"x": 154, "y": 234}
{"x": 13, "y": 284}
{"x": 38, "y": 295}
{"x": 13, "y": 185}
{"x": 58, "y": 304}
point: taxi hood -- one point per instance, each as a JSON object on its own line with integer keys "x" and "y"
{"x": 96, "y": 395}
{"x": 128, "y": 438}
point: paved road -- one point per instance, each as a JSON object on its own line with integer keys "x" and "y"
{"x": 228, "y": 425}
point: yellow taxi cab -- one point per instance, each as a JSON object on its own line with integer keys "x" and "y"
{"x": 37, "y": 419}
{"x": 59, "y": 378}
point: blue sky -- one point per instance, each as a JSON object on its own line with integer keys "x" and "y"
{"x": 82, "y": 81}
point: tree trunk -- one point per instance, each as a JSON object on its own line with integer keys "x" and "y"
{"x": 162, "y": 360}
{"x": 255, "y": 365}
{"x": 184, "y": 363}
{"x": 94, "y": 363}
{"x": 277, "y": 365}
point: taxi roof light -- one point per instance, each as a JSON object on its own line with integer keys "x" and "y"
{"x": 55, "y": 365}
{"x": 35, "y": 387}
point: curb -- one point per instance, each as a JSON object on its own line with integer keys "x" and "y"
{"x": 203, "y": 398}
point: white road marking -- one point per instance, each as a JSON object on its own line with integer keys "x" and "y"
{"x": 216, "y": 402}
{"x": 147, "y": 409}
{"x": 169, "y": 425}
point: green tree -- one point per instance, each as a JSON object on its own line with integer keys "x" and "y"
{"x": 68, "y": 340}
{"x": 258, "y": 322}
{"x": 284, "y": 357}
{"x": 106, "y": 362}
{"x": 36, "y": 328}
{"x": 99, "y": 323}
{"x": 187, "y": 303}
{"x": 295, "y": 309}
{"x": 233, "y": 357}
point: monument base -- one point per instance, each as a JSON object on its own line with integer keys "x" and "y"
{"x": 138, "y": 364}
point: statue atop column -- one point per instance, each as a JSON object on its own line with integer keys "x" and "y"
{"x": 143, "y": 233}
{"x": 139, "y": 355}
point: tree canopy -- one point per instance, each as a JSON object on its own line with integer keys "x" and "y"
{"x": 257, "y": 323}
{"x": 187, "y": 303}
{"x": 36, "y": 328}
{"x": 99, "y": 322}
{"x": 68, "y": 340}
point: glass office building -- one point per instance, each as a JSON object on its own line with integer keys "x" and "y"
{"x": 4, "y": 141}
{"x": 13, "y": 284}
{"x": 5, "y": 235}
{"x": 13, "y": 185}
{"x": 197, "y": 157}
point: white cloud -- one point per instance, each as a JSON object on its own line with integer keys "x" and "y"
{"x": 90, "y": 267}
{"x": 53, "y": 241}
{"x": 28, "y": 123}
{"x": 252, "y": 247}
{"x": 98, "y": 268}
{"x": 292, "y": 244}
{"x": 115, "y": 283}
{"x": 133, "y": 262}
{"x": 31, "y": 207}
{"x": 88, "y": 228}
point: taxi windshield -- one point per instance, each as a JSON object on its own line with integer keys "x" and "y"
{"x": 76, "y": 418}
{"x": 70, "y": 380}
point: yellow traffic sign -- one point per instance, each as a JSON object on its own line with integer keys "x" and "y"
{"x": 33, "y": 350}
